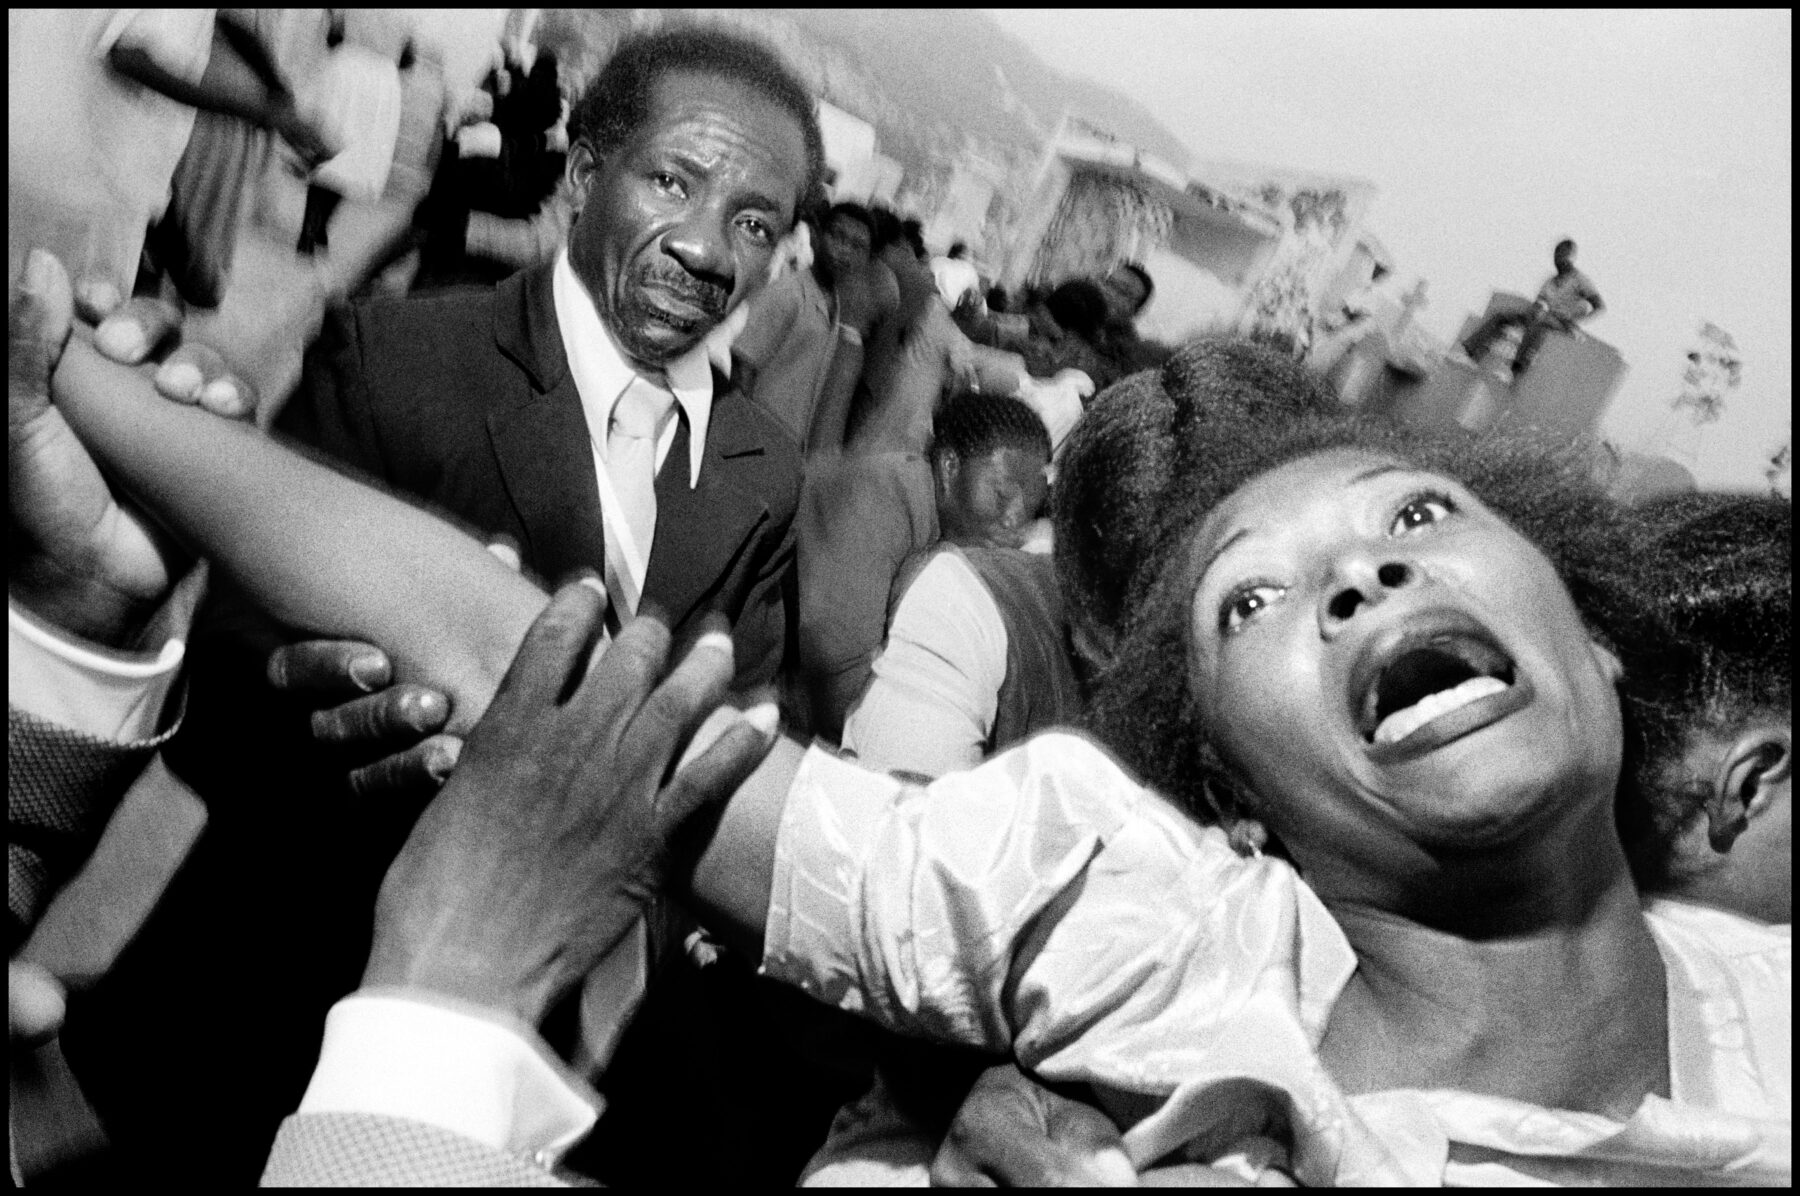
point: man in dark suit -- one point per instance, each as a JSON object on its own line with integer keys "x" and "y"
{"x": 514, "y": 410}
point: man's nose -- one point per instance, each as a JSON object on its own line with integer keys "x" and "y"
{"x": 701, "y": 244}
{"x": 1361, "y": 582}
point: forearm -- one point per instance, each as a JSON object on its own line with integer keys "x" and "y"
{"x": 316, "y": 549}
{"x": 244, "y": 42}
{"x": 725, "y": 865}
{"x": 229, "y": 85}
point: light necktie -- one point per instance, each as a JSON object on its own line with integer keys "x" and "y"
{"x": 631, "y": 469}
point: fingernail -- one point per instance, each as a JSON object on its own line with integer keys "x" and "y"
{"x": 765, "y": 717}
{"x": 121, "y": 340}
{"x": 431, "y": 704}
{"x": 37, "y": 272}
{"x": 443, "y": 760}
{"x": 221, "y": 394}
{"x": 369, "y": 673}
{"x": 718, "y": 641}
{"x": 182, "y": 377}
{"x": 595, "y": 584}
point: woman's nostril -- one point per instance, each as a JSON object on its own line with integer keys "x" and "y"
{"x": 1393, "y": 575}
{"x": 1344, "y": 605}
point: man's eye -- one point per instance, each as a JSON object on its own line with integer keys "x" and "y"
{"x": 757, "y": 229}
{"x": 1245, "y": 603}
{"x": 1421, "y": 510}
{"x": 667, "y": 182}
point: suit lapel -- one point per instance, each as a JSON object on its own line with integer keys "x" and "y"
{"x": 540, "y": 436}
{"x": 700, "y": 531}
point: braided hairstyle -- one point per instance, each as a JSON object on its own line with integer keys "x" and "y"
{"x": 974, "y": 425}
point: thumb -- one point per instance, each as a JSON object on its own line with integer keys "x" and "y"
{"x": 34, "y": 1004}
{"x": 39, "y": 317}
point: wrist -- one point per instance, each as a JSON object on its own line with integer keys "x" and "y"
{"x": 77, "y": 605}
{"x": 424, "y": 942}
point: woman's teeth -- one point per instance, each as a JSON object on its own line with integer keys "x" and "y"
{"x": 1401, "y": 723}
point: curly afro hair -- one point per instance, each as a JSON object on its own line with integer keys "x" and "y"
{"x": 1718, "y": 569}
{"x": 617, "y": 102}
{"x": 1159, "y": 452}
{"x": 1121, "y": 464}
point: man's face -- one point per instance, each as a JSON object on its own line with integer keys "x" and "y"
{"x": 846, "y": 247}
{"x": 678, "y": 224}
{"x": 1564, "y": 258}
{"x": 988, "y": 501}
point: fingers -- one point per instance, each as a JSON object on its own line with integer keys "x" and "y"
{"x": 691, "y": 692}
{"x": 34, "y": 1004}
{"x": 38, "y": 320}
{"x": 555, "y": 650}
{"x": 332, "y": 668}
{"x": 416, "y": 773}
{"x": 196, "y": 373}
{"x": 397, "y": 716}
{"x": 507, "y": 552}
{"x": 133, "y": 332}
{"x": 634, "y": 663}
{"x": 718, "y": 771}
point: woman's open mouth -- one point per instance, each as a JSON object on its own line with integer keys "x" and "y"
{"x": 1434, "y": 681}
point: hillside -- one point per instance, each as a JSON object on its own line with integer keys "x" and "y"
{"x": 935, "y": 83}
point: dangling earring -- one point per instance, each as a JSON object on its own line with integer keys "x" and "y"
{"x": 1247, "y": 837}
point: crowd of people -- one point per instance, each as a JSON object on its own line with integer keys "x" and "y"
{"x": 700, "y": 667}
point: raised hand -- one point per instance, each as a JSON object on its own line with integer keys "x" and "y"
{"x": 548, "y": 840}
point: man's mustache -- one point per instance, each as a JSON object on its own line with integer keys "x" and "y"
{"x": 709, "y": 297}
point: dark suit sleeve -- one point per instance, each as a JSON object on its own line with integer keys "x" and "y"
{"x": 331, "y": 411}
{"x": 339, "y": 1150}
{"x": 765, "y": 627}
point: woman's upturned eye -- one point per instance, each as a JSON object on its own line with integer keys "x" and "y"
{"x": 667, "y": 182}
{"x": 1245, "y": 603}
{"x": 1421, "y": 510}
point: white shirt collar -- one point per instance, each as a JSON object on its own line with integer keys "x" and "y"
{"x": 601, "y": 373}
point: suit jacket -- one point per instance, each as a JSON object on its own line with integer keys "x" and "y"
{"x": 360, "y": 1150}
{"x": 465, "y": 400}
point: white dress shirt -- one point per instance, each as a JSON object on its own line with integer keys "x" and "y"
{"x": 602, "y": 375}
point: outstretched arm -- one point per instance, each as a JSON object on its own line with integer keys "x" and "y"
{"x": 339, "y": 558}
{"x": 318, "y": 550}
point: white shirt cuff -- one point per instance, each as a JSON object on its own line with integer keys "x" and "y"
{"x": 111, "y": 695}
{"x": 476, "y": 1073}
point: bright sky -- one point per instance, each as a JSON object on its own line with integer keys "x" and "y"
{"x": 1661, "y": 141}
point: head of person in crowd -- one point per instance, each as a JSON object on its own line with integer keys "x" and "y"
{"x": 1564, "y": 256}
{"x": 1079, "y": 308}
{"x": 1128, "y": 290}
{"x": 692, "y": 152}
{"x": 1710, "y": 818}
{"x": 847, "y": 241}
{"x": 913, "y": 233}
{"x": 989, "y": 457}
{"x": 1372, "y": 622}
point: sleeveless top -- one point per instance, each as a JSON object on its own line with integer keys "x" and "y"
{"x": 1039, "y": 690}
